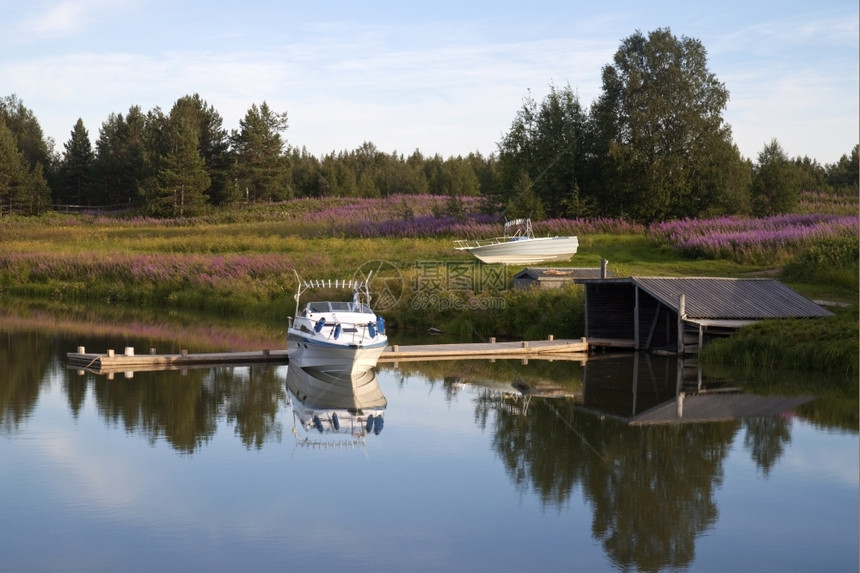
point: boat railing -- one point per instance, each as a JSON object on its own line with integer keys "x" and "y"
{"x": 515, "y": 230}
{"x": 474, "y": 243}
{"x": 360, "y": 288}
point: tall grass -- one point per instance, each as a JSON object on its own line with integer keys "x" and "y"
{"x": 826, "y": 344}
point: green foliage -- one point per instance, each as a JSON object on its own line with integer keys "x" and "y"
{"x": 22, "y": 190}
{"x": 829, "y": 261}
{"x": 545, "y": 148}
{"x": 824, "y": 344}
{"x": 660, "y": 145}
{"x": 777, "y": 182}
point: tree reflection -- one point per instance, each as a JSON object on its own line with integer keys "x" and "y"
{"x": 651, "y": 487}
{"x": 183, "y": 408}
{"x": 25, "y": 357}
{"x": 766, "y": 439}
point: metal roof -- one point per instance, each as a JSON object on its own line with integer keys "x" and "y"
{"x": 726, "y": 298}
{"x": 560, "y": 273}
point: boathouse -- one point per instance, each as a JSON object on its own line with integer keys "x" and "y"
{"x": 679, "y": 314}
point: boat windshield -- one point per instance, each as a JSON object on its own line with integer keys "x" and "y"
{"x": 345, "y": 306}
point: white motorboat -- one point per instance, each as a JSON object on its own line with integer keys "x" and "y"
{"x": 336, "y": 335}
{"x": 519, "y": 246}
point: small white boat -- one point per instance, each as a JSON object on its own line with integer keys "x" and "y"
{"x": 519, "y": 246}
{"x": 336, "y": 335}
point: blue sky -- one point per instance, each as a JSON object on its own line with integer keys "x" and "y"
{"x": 447, "y": 79}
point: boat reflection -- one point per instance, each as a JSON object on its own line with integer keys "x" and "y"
{"x": 334, "y": 408}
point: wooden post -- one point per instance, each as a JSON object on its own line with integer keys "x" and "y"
{"x": 636, "y": 344}
{"x": 603, "y": 263}
{"x": 682, "y": 314}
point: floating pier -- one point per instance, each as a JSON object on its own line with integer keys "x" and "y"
{"x": 548, "y": 348}
{"x": 129, "y": 361}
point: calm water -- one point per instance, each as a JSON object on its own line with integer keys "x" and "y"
{"x": 479, "y": 467}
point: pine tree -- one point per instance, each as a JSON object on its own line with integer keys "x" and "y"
{"x": 76, "y": 169}
{"x": 183, "y": 179}
{"x": 262, "y": 169}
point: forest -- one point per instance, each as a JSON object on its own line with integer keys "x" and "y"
{"x": 654, "y": 146}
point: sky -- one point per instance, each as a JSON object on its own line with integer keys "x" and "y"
{"x": 445, "y": 78}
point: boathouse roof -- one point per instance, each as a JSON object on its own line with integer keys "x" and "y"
{"x": 725, "y": 298}
{"x": 550, "y": 277}
{"x": 561, "y": 273}
{"x": 643, "y": 310}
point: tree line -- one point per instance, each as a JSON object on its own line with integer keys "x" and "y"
{"x": 653, "y": 146}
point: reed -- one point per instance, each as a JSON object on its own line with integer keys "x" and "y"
{"x": 825, "y": 344}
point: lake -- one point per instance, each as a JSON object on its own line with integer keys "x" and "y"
{"x": 479, "y": 466}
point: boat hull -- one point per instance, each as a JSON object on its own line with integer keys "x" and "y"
{"x": 309, "y": 351}
{"x": 526, "y": 251}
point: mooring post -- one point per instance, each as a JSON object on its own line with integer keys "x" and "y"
{"x": 682, "y": 314}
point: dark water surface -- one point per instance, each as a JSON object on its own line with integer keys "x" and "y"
{"x": 479, "y": 467}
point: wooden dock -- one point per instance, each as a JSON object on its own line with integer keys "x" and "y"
{"x": 520, "y": 349}
{"x": 129, "y": 361}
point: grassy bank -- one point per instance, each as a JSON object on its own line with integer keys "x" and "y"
{"x": 241, "y": 266}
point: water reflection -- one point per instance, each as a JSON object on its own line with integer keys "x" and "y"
{"x": 623, "y": 435}
{"x": 648, "y": 469}
{"x": 335, "y": 409}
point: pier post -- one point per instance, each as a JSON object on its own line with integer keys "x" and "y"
{"x": 492, "y": 340}
{"x": 81, "y": 350}
{"x": 682, "y": 314}
{"x": 110, "y": 352}
{"x": 129, "y": 351}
